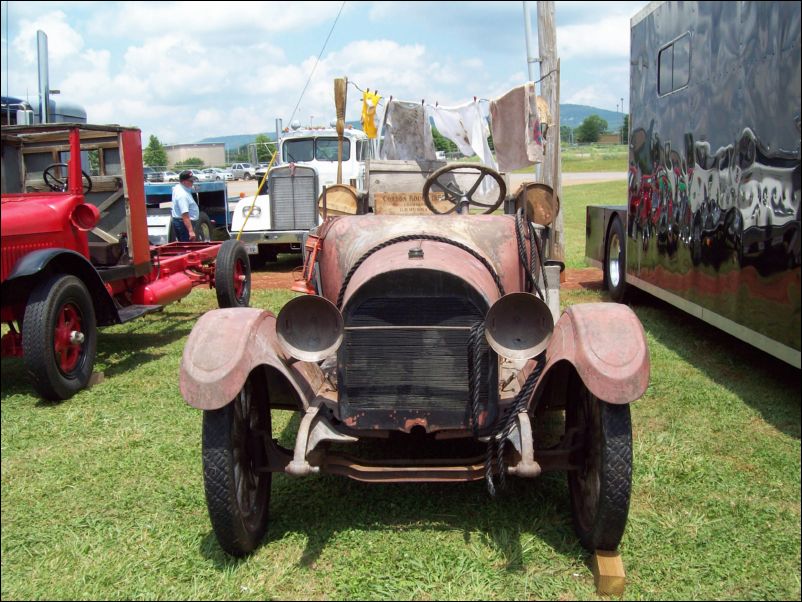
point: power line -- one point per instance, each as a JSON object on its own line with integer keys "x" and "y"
{"x": 322, "y": 50}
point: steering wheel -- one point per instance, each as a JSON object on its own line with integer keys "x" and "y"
{"x": 57, "y": 184}
{"x": 444, "y": 180}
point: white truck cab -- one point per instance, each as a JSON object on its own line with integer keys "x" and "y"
{"x": 287, "y": 208}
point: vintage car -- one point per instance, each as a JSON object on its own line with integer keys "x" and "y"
{"x": 430, "y": 347}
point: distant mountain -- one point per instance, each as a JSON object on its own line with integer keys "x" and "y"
{"x": 570, "y": 115}
{"x": 235, "y": 141}
{"x": 574, "y": 115}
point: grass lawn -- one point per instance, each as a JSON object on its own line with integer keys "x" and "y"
{"x": 594, "y": 157}
{"x": 102, "y": 495}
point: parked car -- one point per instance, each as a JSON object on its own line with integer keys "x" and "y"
{"x": 170, "y": 176}
{"x": 422, "y": 352}
{"x": 198, "y": 175}
{"x": 243, "y": 171}
{"x": 216, "y": 174}
{"x": 147, "y": 171}
{"x": 156, "y": 176}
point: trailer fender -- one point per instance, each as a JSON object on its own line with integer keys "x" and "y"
{"x": 606, "y": 345}
{"x": 226, "y": 345}
{"x": 60, "y": 261}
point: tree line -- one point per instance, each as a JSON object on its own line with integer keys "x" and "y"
{"x": 590, "y": 130}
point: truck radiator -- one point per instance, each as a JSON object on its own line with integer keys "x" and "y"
{"x": 293, "y": 198}
{"x": 409, "y": 352}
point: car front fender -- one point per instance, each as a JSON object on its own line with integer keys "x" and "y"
{"x": 226, "y": 345}
{"x": 606, "y": 345}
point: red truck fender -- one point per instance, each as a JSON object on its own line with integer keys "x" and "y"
{"x": 606, "y": 344}
{"x": 226, "y": 345}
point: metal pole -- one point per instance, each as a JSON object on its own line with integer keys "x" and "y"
{"x": 530, "y": 60}
{"x": 44, "y": 79}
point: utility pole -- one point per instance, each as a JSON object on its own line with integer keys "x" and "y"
{"x": 550, "y": 91}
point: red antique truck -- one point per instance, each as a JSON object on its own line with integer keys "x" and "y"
{"x": 75, "y": 251}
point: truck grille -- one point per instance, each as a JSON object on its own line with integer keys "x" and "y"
{"x": 13, "y": 253}
{"x": 409, "y": 352}
{"x": 293, "y": 198}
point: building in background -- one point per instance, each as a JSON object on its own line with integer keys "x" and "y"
{"x": 213, "y": 154}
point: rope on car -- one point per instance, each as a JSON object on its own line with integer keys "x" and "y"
{"x": 494, "y": 460}
{"x": 410, "y": 237}
{"x": 477, "y": 347}
{"x": 531, "y": 262}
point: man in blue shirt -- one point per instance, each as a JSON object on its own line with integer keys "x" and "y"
{"x": 185, "y": 210}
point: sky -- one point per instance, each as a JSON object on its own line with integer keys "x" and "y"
{"x": 185, "y": 71}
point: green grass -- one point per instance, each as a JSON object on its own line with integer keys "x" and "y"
{"x": 102, "y": 495}
{"x": 594, "y": 157}
{"x": 573, "y": 203}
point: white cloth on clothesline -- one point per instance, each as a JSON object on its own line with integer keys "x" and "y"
{"x": 465, "y": 126}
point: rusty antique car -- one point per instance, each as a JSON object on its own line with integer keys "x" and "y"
{"x": 421, "y": 332}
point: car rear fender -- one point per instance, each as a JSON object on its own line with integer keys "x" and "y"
{"x": 606, "y": 345}
{"x": 226, "y": 345}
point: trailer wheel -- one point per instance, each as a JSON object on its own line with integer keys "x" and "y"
{"x": 203, "y": 228}
{"x": 59, "y": 337}
{"x": 600, "y": 487}
{"x": 232, "y": 275}
{"x": 615, "y": 265}
{"x": 234, "y": 452}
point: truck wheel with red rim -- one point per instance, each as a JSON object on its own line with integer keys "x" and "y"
{"x": 59, "y": 337}
{"x": 232, "y": 275}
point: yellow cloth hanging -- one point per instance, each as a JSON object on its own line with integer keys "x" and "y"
{"x": 370, "y": 100}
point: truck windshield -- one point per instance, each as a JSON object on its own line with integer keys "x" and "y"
{"x": 321, "y": 149}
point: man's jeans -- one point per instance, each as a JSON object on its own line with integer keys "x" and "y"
{"x": 181, "y": 233}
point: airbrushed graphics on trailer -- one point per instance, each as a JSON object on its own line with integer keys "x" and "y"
{"x": 713, "y": 214}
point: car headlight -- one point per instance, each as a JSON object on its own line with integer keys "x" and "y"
{"x": 257, "y": 211}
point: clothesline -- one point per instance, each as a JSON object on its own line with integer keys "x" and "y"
{"x": 437, "y": 104}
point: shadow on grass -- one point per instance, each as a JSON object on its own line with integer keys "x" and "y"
{"x": 285, "y": 263}
{"x": 765, "y": 383}
{"x": 117, "y": 352}
{"x": 320, "y": 507}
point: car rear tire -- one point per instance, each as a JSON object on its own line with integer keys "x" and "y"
{"x": 234, "y": 452}
{"x": 59, "y": 337}
{"x": 203, "y": 228}
{"x": 615, "y": 265}
{"x": 600, "y": 487}
{"x": 232, "y": 275}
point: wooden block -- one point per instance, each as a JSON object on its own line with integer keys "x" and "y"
{"x": 96, "y": 378}
{"x": 608, "y": 573}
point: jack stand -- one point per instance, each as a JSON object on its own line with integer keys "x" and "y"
{"x": 608, "y": 573}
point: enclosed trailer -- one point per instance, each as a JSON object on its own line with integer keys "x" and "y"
{"x": 712, "y": 223}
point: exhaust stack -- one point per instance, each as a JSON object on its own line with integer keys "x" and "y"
{"x": 44, "y": 77}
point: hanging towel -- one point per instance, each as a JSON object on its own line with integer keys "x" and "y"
{"x": 370, "y": 100}
{"x": 516, "y": 128}
{"x": 407, "y": 132}
{"x": 467, "y": 128}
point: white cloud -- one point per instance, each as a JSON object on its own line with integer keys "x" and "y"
{"x": 211, "y": 22}
{"x": 63, "y": 41}
{"x": 608, "y": 37}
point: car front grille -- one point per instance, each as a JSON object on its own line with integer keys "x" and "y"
{"x": 406, "y": 349}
